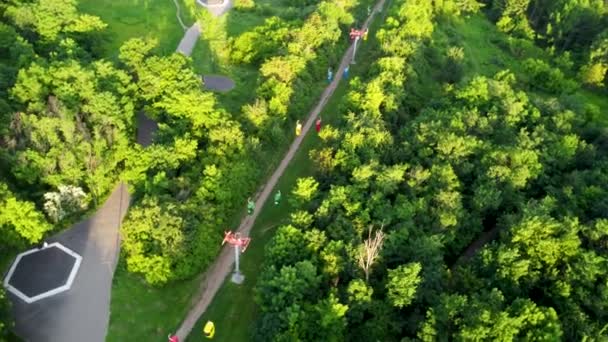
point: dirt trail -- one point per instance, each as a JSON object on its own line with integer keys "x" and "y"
{"x": 217, "y": 272}
{"x": 476, "y": 245}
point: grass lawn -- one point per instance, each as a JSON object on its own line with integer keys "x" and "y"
{"x": 483, "y": 55}
{"x": 244, "y": 77}
{"x": 143, "y": 313}
{"x": 128, "y": 19}
{"x": 233, "y": 310}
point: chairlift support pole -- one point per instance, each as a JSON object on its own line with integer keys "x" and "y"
{"x": 355, "y": 50}
{"x": 236, "y": 260}
{"x": 239, "y": 243}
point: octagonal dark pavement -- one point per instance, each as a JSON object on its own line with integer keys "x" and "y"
{"x": 42, "y": 271}
{"x": 82, "y": 313}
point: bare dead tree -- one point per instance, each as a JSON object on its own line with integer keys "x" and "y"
{"x": 369, "y": 250}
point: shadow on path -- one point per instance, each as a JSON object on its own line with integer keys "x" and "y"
{"x": 146, "y": 128}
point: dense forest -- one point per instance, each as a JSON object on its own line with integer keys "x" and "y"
{"x": 431, "y": 160}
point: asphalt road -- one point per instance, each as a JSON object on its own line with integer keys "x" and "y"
{"x": 83, "y": 312}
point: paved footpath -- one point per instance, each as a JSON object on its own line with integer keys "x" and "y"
{"x": 186, "y": 45}
{"x": 83, "y": 312}
{"x": 222, "y": 266}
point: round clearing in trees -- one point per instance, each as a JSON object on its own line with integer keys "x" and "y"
{"x": 218, "y": 83}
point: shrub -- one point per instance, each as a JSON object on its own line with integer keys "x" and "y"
{"x": 255, "y": 46}
{"x": 6, "y": 320}
{"x": 20, "y": 222}
{"x": 452, "y": 70}
{"x": 152, "y": 240}
{"x": 564, "y": 61}
{"x": 521, "y": 47}
{"x": 68, "y": 201}
{"x": 304, "y": 192}
{"x": 594, "y": 74}
{"x": 543, "y": 76}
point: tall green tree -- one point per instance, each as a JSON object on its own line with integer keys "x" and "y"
{"x": 74, "y": 127}
{"x": 21, "y": 223}
{"x": 51, "y": 20}
{"x": 402, "y": 284}
{"x": 489, "y": 316}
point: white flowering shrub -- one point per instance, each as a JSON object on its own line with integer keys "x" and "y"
{"x": 69, "y": 200}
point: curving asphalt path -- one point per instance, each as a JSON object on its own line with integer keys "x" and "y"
{"x": 186, "y": 45}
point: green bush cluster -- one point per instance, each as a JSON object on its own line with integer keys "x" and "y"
{"x": 66, "y": 118}
{"x": 184, "y": 184}
{"x": 65, "y": 121}
{"x": 253, "y": 47}
{"x": 545, "y": 77}
{"x": 329, "y": 226}
{"x": 21, "y": 223}
{"x": 244, "y": 5}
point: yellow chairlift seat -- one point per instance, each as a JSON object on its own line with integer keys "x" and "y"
{"x": 209, "y": 329}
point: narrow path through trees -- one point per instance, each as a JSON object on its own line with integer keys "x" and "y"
{"x": 217, "y": 272}
{"x": 475, "y": 246}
